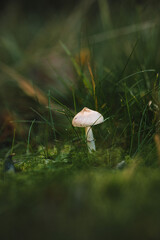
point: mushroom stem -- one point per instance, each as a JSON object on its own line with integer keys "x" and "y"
{"x": 90, "y": 139}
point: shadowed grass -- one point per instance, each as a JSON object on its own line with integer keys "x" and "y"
{"x": 84, "y": 58}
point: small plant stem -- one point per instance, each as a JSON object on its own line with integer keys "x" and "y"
{"x": 29, "y": 135}
{"x": 90, "y": 139}
{"x": 74, "y": 100}
{"x": 13, "y": 140}
{"x": 50, "y": 112}
{"x": 93, "y": 86}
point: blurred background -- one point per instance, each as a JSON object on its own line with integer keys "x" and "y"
{"x": 76, "y": 53}
{"x": 57, "y": 57}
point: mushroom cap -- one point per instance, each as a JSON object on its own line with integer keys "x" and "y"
{"x": 86, "y": 118}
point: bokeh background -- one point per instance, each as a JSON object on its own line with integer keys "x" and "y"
{"x": 42, "y": 43}
{"x": 57, "y": 57}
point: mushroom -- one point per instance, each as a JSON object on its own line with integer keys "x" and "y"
{"x": 87, "y": 118}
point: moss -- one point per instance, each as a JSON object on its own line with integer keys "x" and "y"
{"x": 69, "y": 201}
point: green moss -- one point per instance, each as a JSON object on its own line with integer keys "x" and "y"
{"x": 90, "y": 200}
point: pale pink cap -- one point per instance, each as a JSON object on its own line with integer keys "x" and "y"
{"x": 86, "y": 118}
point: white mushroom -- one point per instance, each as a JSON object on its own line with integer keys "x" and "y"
{"x": 87, "y": 118}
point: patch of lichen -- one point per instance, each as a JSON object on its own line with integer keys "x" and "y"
{"x": 43, "y": 159}
{"x": 71, "y": 156}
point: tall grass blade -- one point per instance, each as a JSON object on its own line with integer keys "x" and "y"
{"x": 13, "y": 140}
{"x": 85, "y": 80}
{"x": 93, "y": 86}
{"x": 74, "y": 100}
{"x": 29, "y": 136}
{"x": 50, "y": 113}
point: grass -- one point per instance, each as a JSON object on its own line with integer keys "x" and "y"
{"x": 51, "y": 67}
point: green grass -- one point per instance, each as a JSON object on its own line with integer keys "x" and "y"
{"x": 50, "y": 68}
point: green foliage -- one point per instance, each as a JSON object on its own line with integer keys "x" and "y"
{"x": 50, "y": 69}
